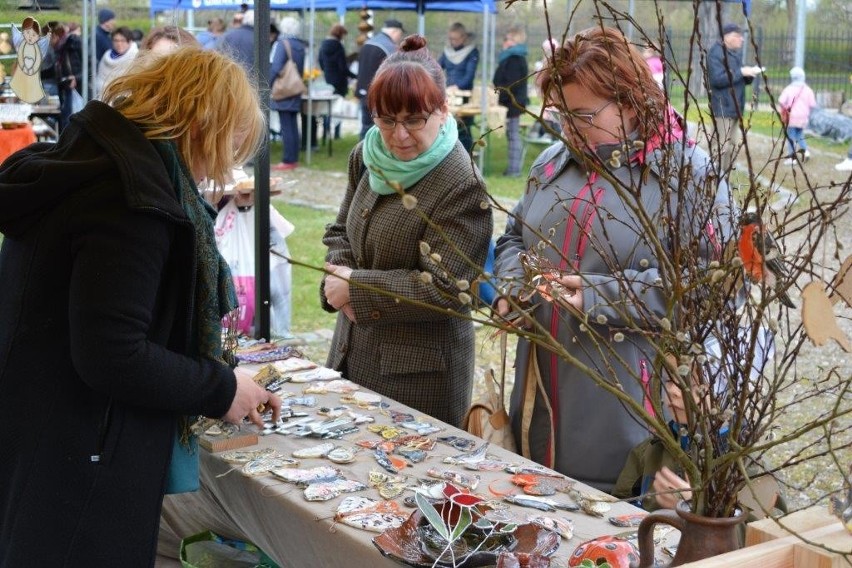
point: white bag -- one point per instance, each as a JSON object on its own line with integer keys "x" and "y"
{"x": 77, "y": 102}
{"x": 235, "y": 239}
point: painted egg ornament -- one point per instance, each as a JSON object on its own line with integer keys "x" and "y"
{"x": 616, "y": 552}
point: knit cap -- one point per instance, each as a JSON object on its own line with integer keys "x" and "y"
{"x": 105, "y": 15}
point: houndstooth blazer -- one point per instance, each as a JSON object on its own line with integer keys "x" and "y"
{"x": 417, "y": 355}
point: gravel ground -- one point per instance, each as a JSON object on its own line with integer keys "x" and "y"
{"x": 809, "y": 482}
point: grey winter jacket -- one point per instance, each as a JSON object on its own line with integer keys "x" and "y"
{"x": 590, "y": 227}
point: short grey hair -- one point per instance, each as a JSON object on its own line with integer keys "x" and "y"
{"x": 290, "y": 26}
{"x": 248, "y": 18}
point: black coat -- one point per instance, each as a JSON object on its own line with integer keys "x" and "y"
{"x": 98, "y": 267}
{"x": 726, "y": 88}
{"x": 512, "y": 72}
{"x": 332, "y": 61}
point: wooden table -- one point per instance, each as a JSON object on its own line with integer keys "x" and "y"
{"x": 12, "y": 140}
{"x": 295, "y": 532}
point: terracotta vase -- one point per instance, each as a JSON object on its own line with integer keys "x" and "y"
{"x": 700, "y": 537}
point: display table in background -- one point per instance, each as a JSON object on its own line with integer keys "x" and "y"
{"x": 14, "y": 139}
{"x": 297, "y": 533}
{"x": 321, "y": 106}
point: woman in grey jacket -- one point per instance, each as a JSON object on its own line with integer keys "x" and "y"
{"x": 601, "y": 209}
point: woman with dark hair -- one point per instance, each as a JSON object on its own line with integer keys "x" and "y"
{"x": 405, "y": 248}
{"x": 69, "y": 69}
{"x": 332, "y": 61}
{"x": 117, "y": 60}
{"x": 459, "y": 61}
{"x": 596, "y": 223}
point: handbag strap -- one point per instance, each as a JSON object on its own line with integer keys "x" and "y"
{"x": 503, "y": 346}
{"x": 286, "y": 43}
{"x": 532, "y": 383}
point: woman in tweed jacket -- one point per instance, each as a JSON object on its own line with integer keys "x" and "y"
{"x": 410, "y": 238}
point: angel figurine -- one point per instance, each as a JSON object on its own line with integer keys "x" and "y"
{"x": 26, "y": 80}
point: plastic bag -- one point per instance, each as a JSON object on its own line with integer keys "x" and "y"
{"x": 209, "y": 550}
{"x": 77, "y": 102}
{"x": 235, "y": 239}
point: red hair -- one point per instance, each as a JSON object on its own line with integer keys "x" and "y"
{"x": 408, "y": 80}
{"x": 603, "y": 61}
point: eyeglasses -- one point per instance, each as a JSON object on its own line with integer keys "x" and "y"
{"x": 410, "y": 124}
{"x": 578, "y": 119}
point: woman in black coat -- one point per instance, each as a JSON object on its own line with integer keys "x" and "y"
{"x": 332, "y": 61}
{"x": 111, "y": 312}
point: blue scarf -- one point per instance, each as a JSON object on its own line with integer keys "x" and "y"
{"x": 517, "y": 49}
{"x": 382, "y": 164}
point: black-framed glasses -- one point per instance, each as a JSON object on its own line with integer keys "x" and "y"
{"x": 411, "y": 123}
{"x": 578, "y": 119}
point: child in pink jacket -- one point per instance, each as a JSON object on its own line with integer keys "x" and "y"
{"x": 798, "y": 99}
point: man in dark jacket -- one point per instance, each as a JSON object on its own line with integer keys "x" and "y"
{"x": 103, "y": 32}
{"x": 69, "y": 70}
{"x": 372, "y": 54}
{"x": 727, "y": 79}
{"x": 238, "y": 43}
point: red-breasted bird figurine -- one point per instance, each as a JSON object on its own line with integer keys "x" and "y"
{"x": 761, "y": 257}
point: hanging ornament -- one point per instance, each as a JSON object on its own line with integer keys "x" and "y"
{"x": 26, "y": 80}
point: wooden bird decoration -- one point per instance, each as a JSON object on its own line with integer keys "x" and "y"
{"x": 818, "y": 317}
{"x": 842, "y": 284}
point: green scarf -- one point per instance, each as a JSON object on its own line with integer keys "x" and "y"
{"x": 214, "y": 297}
{"x": 214, "y": 289}
{"x": 384, "y": 165}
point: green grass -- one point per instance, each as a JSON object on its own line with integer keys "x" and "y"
{"x": 306, "y": 247}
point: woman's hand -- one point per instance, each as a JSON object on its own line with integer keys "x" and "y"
{"x": 674, "y": 400}
{"x": 566, "y": 290}
{"x": 502, "y": 306}
{"x": 337, "y": 286}
{"x": 249, "y": 397}
{"x": 670, "y": 488}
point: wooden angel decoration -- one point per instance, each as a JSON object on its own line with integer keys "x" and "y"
{"x": 26, "y": 80}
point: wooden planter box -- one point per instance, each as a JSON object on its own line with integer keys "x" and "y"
{"x": 768, "y": 545}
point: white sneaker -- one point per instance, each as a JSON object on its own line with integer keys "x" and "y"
{"x": 789, "y": 161}
{"x": 807, "y": 155}
{"x": 844, "y": 166}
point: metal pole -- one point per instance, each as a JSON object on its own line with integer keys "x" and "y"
{"x": 88, "y": 51}
{"x": 801, "y": 13}
{"x": 261, "y": 178}
{"x": 484, "y": 87}
{"x": 631, "y": 10}
{"x": 309, "y": 65}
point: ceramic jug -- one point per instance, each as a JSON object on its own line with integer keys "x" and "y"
{"x": 700, "y": 537}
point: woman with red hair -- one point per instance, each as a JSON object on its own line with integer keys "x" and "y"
{"x": 605, "y": 209}
{"x": 407, "y": 245}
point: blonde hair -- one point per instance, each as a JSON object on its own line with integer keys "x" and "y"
{"x": 181, "y": 96}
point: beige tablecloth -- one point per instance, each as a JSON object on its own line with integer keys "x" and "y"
{"x": 298, "y": 533}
